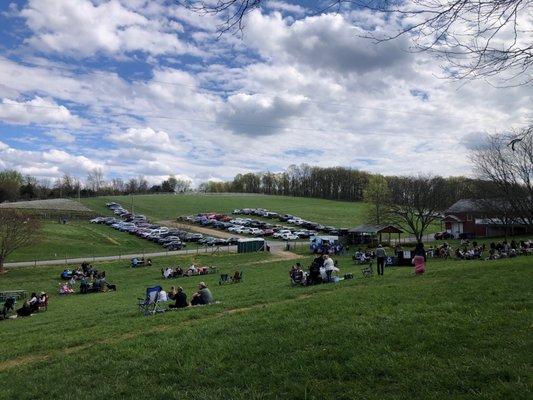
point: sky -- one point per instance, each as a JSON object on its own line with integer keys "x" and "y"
{"x": 138, "y": 87}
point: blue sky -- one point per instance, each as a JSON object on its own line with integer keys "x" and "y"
{"x": 147, "y": 88}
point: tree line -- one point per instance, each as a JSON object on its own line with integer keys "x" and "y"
{"x": 14, "y": 186}
{"x": 338, "y": 183}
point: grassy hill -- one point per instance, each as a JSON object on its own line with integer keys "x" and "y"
{"x": 80, "y": 239}
{"x": 463, "y": 330}
{"x": 164, "y": 207}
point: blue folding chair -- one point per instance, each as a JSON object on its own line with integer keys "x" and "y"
{"x": 151, "y": 304}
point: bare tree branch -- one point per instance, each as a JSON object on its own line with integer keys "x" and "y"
{"x": 17, "y": 229}
{"x": 476, "y": 38}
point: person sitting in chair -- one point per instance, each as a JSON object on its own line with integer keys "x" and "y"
{"x": 180, "y": 299}
{"x": 42, "y": 300}
{"x": 297, "y": 275}
{"x": 202, "y": 296}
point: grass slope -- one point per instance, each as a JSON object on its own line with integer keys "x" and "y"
{"x": 80, "y": 239}
{"x": 460, "y": 331}
{"x": 162, "y": 207}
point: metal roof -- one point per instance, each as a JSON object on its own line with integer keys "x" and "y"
{"x": 367, "y": 228}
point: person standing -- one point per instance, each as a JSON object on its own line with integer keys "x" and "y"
{"x": 419, "y": 260}
{"x": 381, "y": 255}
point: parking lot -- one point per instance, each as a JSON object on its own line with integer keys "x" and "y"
{"x": 170, "y": 238}
{"x": 264, "y": 223}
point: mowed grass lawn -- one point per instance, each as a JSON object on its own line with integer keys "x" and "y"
{"x": 80, "y": 239}
{"x": 342, "y": 214}
{"x": 463, "y": 330}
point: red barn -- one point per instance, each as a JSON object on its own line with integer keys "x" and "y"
{"x": 470, "y": 218}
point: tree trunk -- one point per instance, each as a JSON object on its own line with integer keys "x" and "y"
{"x": 2, "y": 269}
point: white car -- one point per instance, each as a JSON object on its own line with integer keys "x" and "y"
{"x": 256, "y": 231}
{"x": 289, "y": 236}
{"x": 234, "y": 228}
{"x": 244, "y": 230}
{"x": 282, "y": 232}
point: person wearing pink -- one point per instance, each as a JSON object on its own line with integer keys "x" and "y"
{"x": 419, "y": 260}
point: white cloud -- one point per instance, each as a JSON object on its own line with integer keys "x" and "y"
{"x": 309, "y": 85}
{"x": 61, "y": 136}
{"x": 46, "y": 164}
{"x": 143, "y": 139}
{"x": 38, "y": 110}
{"x": 80, "y": 28}
{"x": 284, "y": 6}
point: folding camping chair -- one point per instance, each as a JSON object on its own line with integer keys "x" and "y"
{"x": 367, "y": 270}
{"x": 224, "y": 278}
{"x": 151, "y": 304}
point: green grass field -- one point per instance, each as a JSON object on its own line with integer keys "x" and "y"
{"x": 463, "y": 330}
{"x": 80, "y": 239}
{"x": 164, "y": 207}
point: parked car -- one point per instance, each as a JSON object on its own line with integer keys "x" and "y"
{"x": 233, "y": 240}
{"x": 173, "y": 246}
{"x": 443, "y": 235}
{"x": 97, "y": 220}
{"x": 302, "y": 234}
{"x": 282, "y": 232}
{"x": 288, "y": 236}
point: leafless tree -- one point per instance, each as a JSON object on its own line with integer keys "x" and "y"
{"x": 118, "y": 185}
{"x": 417, "y": 207}
{"x": 95, "y": 180}
{"x": 17, "y": 229}
{"x": 510, "y": 170}
{"x": 182, "y": 186}
{"x": 476, "y": 38}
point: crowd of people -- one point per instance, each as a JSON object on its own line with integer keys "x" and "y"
{"x": 477, "y": 251}
{"x": 89, "y": 279}
{"x": 36, "y": 302}
{"x": 202, "y": 296}
{"x": 321, "y": 270}
{"x": 178, "y": 272}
